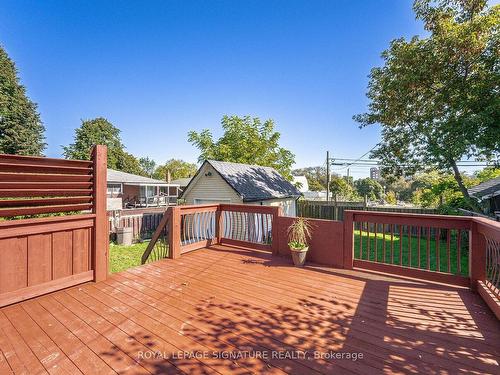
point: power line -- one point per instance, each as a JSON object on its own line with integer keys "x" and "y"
{"x": 358, "y": 159}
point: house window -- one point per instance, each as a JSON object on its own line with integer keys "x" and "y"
{"x": 148, "y": 191}
{"x": 114, "y": 189}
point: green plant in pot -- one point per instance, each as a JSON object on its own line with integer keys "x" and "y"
{"x": 299, "y": 232}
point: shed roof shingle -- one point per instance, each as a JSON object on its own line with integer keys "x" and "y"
{"x": 129, "y": 178}
{"x": 254, "y": 182}
{"x": 486, "y": 189}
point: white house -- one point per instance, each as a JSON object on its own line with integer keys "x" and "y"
{"x": 301, "y": 183}
{"x": 223, "y": 182}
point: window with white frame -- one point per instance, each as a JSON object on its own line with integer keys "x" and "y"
{"x": 114, "y": 189}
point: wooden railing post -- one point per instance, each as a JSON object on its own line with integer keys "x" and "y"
{"x": 175, "y": 233}
{"x": 348, "y": 239}
{"x": 219, "y": 230}
{"x": 275, "y": 246}
{"x": 477, "y": 256}
{"x": 100, "y": 243}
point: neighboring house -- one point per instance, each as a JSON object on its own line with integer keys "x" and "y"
{"x": 488, "y": 194}
{"x": 301, "y": 183}
{"x": 315, "y": 195}
{"x": 223, "y": 182}
{"x": 182, "y": 182}
{"x": 126, "y": 190}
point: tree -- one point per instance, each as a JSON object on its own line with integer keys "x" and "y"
{"x": 178, "y": 169}
{"x": 21, "y": 129}
{"x": 401, "y": 187}
{"x": 488, "y": 173}
{"x": 342, "y": 188}
{"x": 148, "y": 166}
{"x": 436, "y": 98}
{"x": 391, "y": 198}
{"x": 245, "y": 140}
{"x": 370, "y": 188}
{"x": 100, "y": 131}
{"x": 440, "y": 190}
{"x": 127, "y": 162}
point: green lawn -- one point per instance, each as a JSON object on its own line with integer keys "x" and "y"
{"x": 123, "y": 257}
{"x": 385, "y": 256}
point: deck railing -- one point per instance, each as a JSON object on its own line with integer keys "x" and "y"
{"x": 463, "y": 251}
{"x": 194, "y": 227}
{"x": 435, "y": 247}
{"x": 248, "y": 225}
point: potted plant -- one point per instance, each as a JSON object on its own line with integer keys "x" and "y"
{"x": 298, "y": 235}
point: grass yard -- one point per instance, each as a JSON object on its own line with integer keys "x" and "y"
{"x": 123, "y": 257}
{"x": 385, "y": 255}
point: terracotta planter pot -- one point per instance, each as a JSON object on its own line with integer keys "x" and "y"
{"x": 299, "y": 256}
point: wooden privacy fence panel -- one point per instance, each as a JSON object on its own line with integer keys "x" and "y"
{"x": 430, "y": 246}
{"x": 335, "y": 210}
{"x": 44, "y": 254}
{"x": 143, "y": 225}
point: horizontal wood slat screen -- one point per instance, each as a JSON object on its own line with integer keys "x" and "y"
{"x": 32, "y": 185}
{"x": 55, "y": 234}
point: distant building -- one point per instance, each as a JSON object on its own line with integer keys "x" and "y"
{"x": 182, "y": 182}
{"x": 315, "y": 195}
{"x": 223, "y": 182}
{"x": 300, "y": 183}
{"x": 488, "y": 194}
{"x": 374, "y": 173}
{"x": 126, "y": 190}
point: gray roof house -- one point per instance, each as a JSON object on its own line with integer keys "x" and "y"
{"x": 127, "y": 190}
{"x": 488, "y": 193}
{"x": 224, "y": 182}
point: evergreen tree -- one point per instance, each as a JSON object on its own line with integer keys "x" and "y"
{"x": 21, "y": 129}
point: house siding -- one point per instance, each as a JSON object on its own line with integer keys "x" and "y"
{"x": 288, "y": 205}
{"x": 211, "y": 188}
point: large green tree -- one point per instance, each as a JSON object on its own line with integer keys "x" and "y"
{"x": 245, "y": 140}
{"x": 437, "y": 98}
{"x": 368, "y": 187}
{"x": 342, "y": 188}
{"x": 21, "y": 129}
{"x": 148, "y": 166}
{"x": 178, "y": 169}
{"x": 100, "y": 131}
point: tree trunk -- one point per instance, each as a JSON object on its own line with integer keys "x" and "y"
{"x": 463, "y": 189}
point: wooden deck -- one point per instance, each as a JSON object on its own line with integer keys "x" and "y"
{"x": 182, "y": 316}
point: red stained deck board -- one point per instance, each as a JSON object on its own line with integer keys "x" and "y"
{"x": 229, "y": 299}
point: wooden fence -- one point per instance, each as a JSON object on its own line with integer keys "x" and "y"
{"x": 143, "y": 225}
{"x": 335, "y": 210}
{"x": 49, "y": 252}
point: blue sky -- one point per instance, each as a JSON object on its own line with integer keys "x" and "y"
{"x": 157, "y": 69}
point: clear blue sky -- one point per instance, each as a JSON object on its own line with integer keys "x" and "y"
{"x": 157, "y": 69}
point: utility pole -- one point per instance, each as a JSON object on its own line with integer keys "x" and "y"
{"x": 327, "y": 175}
